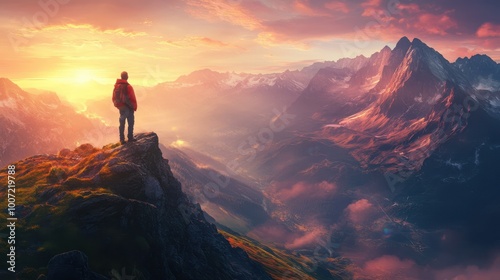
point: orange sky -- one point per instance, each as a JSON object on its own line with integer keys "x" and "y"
{"x": 64, "y": 45}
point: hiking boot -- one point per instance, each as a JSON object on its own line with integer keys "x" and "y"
{"x": 132, "y": 140}
{"x": 122, "y": 142}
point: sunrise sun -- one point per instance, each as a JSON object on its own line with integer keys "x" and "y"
{"x": 83, "y": 76}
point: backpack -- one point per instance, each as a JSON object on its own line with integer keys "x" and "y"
{"x": 120, "y": 95}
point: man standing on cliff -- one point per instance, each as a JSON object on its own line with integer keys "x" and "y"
{"x": 124, "y": 99}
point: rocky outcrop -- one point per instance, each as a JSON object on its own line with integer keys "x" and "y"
{"x": 122, "y": 207}
{"x": 70, "y": 265}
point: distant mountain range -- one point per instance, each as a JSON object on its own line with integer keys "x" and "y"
{"x": 404, "y": 101}
{"x": 414, "y": 149}
{"x": 388, "y": 154}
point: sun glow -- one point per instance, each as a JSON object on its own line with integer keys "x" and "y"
{"x": 179, "y": 143}
{"x": 83, "y": 76}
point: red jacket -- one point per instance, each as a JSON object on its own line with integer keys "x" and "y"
{"x": 131, "y": 94}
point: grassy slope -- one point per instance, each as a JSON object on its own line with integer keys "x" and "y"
{"x": 282, "y": 265}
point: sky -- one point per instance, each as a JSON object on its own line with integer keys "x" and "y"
{"x": 61, "y": 45}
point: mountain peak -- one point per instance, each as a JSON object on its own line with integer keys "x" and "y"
{"x": 201, "y": 76}
{"x": 5, "y": 80}
{"x": 421, "y": 56}
{"x": 417, "y": 87}
{"x": 8, "y": 85}
{"x": 416, "y": 41}
{"x": 125, "y": 201}
{"x": 385, "y": 49}
{"x": 482, "y": 58}
{"x": 482, "y": 71}
{"x": 478, "y": 58}
{"x": 403, "y": 43}
{"x": 418, "y": 44}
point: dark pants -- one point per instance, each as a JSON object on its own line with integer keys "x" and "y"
{"x": 126, "y": 114}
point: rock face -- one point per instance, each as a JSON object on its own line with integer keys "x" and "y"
{"x": 418, "y": 92}
{"x": 71, "y": 265}
{"x": 123, "y": 208}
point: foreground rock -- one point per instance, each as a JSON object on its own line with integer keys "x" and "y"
{"x": 122, "y": 207}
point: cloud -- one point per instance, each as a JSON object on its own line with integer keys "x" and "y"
{"x": 412, "y": 8}
{"x": 338, "y": 6}
{"x": 377, "y": 20}
{"x": 359, "y": 211}
{"x": 273, "y": 232}
{"x": 303, "y": 8}
{"x": 91, "y": 29}
{"x": 104, "y": 14}
{"x": 461, "y": 52}
{"x": 452, "y": 48}
{"x": 371, "y": 8}
{"x": 194, "y": 34}
{"x": 308, "y": 239}
{"x": 391, "y": 267}
{"x": 213, "y": 42}
{"x": 277, "y": 233}
{"x": 309, "y": 28}
{"x": 304, "y": 190}
{"x": 435, "y": 24}
{"x": 488, "y": 29}
{"x": 228, "y": 11}
{"x": 195, "y": 42}
{"x": 470, "y": 272}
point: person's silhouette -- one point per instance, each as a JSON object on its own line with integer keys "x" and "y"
{"x": 124, "y": 99}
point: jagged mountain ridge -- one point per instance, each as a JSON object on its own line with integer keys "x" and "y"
{"x": 288, "y": 80}
{"x": 483, "y": 72}
{"x": 428, "y": 125}
{"x": 295, "y": 80}
{"x": 409, "y": 113}
{"x": 484, "y": 75}
{"x": 123, "y": 208}
{"x": 419, "y": 102}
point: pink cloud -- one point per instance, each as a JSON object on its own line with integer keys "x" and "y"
{"x": 305, "y": 240}
{"x": 435, "y": 24}
{"x": 471, "y": 272}
{"x": 279, "y": 234}
{"x": 490, "y": 43}
{"x": 303, "y": 7}
{"x": 453, "y": 48}
{"x": 488, "y": 30}
{"x": 371, "y": 7}
{"x": 272, "y": 232}
{"x": 303, "y": 189}
{"x": 412, "y": 8}
{"x": 337, "y": 6}
{"x": 213, "y": 42}
{"x": 410, "y": 18}
{"x": 309, "y": 27}
{"x": 221, "y": 10}
{"x": 391, "y": 267}
{"x": 459, "y": 52}
{"x": 359, "y": 211}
